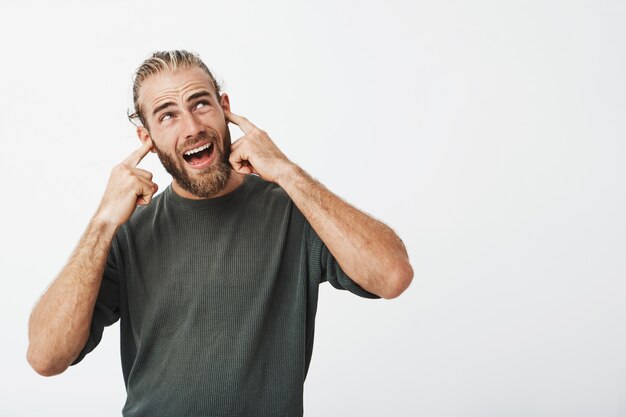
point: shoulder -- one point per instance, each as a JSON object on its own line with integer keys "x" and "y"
{"x": 267, "y": 190}
{"x": 271, "y": 203}
{"x": 272, "y": 199}
{"x": 143, "y": 214}
{"x": 144, "y": 217}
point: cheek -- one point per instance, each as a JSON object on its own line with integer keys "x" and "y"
{"x": 161, "y": 147}
{"x": 227, "y": 139}
{"x": 165, "y": 142}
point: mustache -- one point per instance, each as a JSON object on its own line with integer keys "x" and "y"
{"x": 204, "y": 135}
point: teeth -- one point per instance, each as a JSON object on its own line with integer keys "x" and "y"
{"x": 198, "y": 149}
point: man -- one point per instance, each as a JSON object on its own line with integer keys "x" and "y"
{"x": 215, "y": 279}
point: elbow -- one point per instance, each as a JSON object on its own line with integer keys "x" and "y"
{"x": 42, "y": 365}
{"x": 400, "y": 281}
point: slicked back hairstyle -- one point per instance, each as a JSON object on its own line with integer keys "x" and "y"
{"x": 161, "y": 61}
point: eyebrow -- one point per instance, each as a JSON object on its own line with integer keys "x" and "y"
{"x": 194, "y": 96}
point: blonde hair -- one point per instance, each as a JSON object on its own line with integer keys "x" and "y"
{"x": 165, "y": 61}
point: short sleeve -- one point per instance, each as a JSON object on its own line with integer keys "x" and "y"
{"x": 106, "y": 310}
{"x": 325, "y": 266}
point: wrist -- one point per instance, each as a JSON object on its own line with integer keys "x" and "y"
{"x": 288, "y": 172}
{"x": 103, "y": 223}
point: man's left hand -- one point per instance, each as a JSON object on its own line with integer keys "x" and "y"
{"x": 255, "y": 152}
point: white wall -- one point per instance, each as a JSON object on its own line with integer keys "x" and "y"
{"x": 488, "y": 134}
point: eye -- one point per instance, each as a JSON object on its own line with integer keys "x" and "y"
{"x": 202, "y": 103}
{"x": 165, "y": 115}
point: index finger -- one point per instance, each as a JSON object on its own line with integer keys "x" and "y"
{"x": 135, "y": 158}
{"x": 244, "y": 124}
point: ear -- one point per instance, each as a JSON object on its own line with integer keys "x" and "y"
{"x": 225, "y": 102}
{"x": 144, "y": 135}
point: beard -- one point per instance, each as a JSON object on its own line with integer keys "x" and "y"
{"x": 209, "y": 181}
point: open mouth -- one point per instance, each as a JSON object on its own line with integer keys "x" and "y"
{"x": 199, "y": 155}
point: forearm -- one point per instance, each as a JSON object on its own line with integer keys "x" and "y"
{"x": 59, "y": 324}
{"x": 368, "y": 251}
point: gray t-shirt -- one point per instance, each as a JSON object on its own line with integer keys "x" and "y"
{"x": 217, "y": 301}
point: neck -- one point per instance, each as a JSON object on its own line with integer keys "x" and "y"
{"x": 235, "y": 180}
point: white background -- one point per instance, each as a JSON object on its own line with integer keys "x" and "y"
{"x": 488, "y": 134}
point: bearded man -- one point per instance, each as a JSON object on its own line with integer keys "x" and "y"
{"x": 214, "y": 280}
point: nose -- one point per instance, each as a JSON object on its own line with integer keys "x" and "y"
{"x": 191, "y": 127}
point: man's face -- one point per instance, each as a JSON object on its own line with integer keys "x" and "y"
{"x": 188, "y": 129}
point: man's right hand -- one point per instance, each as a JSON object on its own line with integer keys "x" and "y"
{"x": 128, "y": 187}
{"x": 60, "y": 323}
